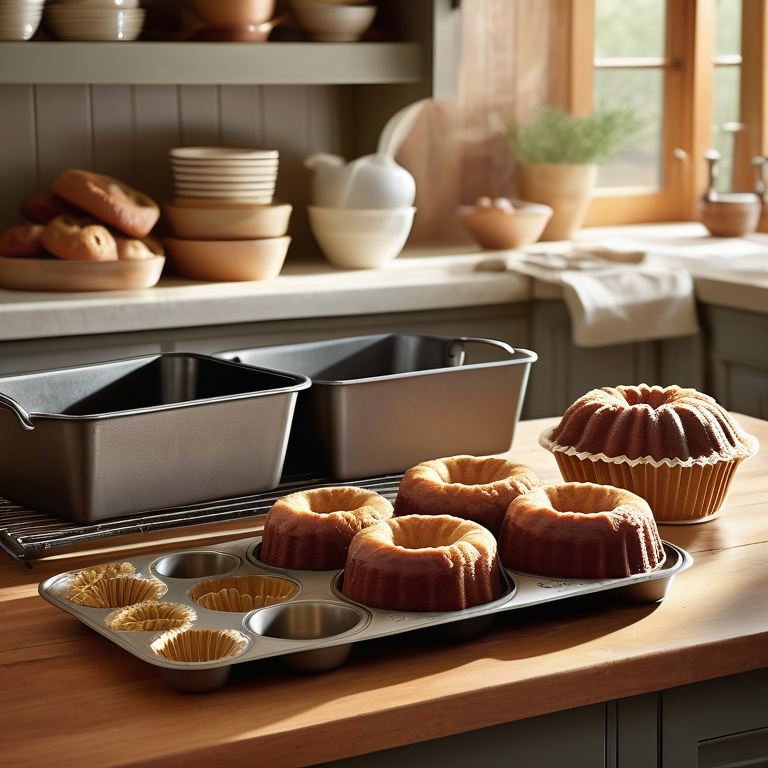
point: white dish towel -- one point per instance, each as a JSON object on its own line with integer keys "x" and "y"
{"x": 615, "y": 298}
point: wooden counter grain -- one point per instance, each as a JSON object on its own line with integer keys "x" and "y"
{"x": 69, "y": 697}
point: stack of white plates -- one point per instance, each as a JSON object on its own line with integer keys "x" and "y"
{"x": 225, "y": 174}
{"x": 19, "y": 19}
{"x": 95, "y": 19}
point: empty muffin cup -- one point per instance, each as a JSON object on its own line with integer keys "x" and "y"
{"x": 151, "y": 617}
{"x": 195, "y": 565}
{"x": 119, "y": 592}
{"x": 241, "y": 594}
{"x": 196, "y": 646}
{"x": 310, "y": 620}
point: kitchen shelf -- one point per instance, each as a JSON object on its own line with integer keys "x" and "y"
{"x": 180, "y": 63}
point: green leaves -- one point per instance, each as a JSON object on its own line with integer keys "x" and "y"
{"x": 555, "y": 136}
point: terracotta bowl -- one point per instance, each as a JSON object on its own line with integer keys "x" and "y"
{"x": 233, "y": 13}
{"x": 500, "y": 229}
{"x": 236, "y": 223}
{"x": 334, "y": 23}
{"x": 733, "y": 214}
{"x": 228, "y": 260}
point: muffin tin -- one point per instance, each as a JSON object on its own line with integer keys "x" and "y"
{"x": 309, "y": 624}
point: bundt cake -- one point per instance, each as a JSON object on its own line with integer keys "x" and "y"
{"x": 311, "y": 530}
{"x": 580, "y": 530}
{"x": 472, "y": 488}
{"x": 675, "y": 447}
{"x": 423, "y": 563}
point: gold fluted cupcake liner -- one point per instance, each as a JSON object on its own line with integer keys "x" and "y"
{"x": 240, "y": 594}
{"x": 85, "y": 579}
{"x": 199, "y": 645}
{"x": 119, "y": 592}
{"x": 151, "y": 617}
{"x": 676, "y": 494}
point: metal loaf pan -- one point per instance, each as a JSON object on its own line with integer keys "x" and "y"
{"x": 381, "y": 404}
{"x": 107, "y": 440}
{"x": 315, "y": 628}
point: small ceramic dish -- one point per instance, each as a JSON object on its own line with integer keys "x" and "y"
{"x": 233, "y": 13}
{"x": 229, "y": 260}
{"x": 218, "y": 186}
{"x": 238, "y": 223}
{"x": 334, "y": 23}
{"x": 32, "y": 274}
{"x": 20, "y": 23}
{"x": 503, "y": 226}
{"x": 213, "y": 155}
{"x": 184, "y": 176}
{"x": 253, "y": 197}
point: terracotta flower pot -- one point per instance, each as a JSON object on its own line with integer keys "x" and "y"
{"x": 567, "y": 189}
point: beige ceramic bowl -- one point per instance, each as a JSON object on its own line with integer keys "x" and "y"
{"x": 239, "y": 223}
{"x": 228, "y": 260}
{"x": 499, "y": 229}
{"x": 733, "y": 214}
{"x": 334, "y": 23}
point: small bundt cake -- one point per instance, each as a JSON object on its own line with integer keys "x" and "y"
{"x": 423, "y": 563}
{"x": 675, "y": 447}
{"x": 472, "y": 488}
{"x": 311, "y": 530}
{"x": 580, "y": 530}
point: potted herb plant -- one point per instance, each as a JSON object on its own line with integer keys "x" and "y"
{"x": 558, "y": 155}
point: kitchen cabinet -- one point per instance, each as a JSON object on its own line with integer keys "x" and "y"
{"x": 720, "y": 723}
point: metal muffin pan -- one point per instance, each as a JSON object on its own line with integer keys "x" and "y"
{"x": 315, "y": 628}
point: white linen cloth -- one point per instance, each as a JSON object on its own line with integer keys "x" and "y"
{"x": 614, "y": 296}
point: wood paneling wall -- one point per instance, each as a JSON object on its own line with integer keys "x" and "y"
{"x": 514, "y": 58}
{"x": 126, "y": 131}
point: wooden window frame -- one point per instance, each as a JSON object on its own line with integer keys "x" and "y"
{"x": 688, "y": 105}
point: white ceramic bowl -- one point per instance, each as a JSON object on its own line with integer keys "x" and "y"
{"x": 218, "y": 178}
{"x": 124, "y": 4}
{"x": 228, "y": 260}
{"x": 21, "y": 23}
{"x": 333, "y": 23}
{"x": 236, "y": 223}
{"x": 255, "y": 197}
{"x": 94, "y": 23}
{"x": 213, "y": 155}
{"x": 353, "y": 238}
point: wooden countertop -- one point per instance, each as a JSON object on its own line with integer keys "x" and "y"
{"x": 70, "y": 697}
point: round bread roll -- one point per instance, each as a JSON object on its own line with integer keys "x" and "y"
{"x": 44, "y": 206}
{"x": 22, "y": 240}
{"x": 468, "y": 487}
{"x": 109, "y": 200}
{"x": 79, "y": 239}
{"x": 580, "y": 530}
{"x": 133, "y": 249}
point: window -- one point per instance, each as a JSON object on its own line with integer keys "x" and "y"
{"x": 696, "y": 70}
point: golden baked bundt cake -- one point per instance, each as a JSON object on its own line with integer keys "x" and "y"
{"x": 469, "y": 487}
{"x": 423, "y": 563}
{"x": 311, "y": 530}
{"x": 675, "y": 447}
{"x": 580, "y": 530}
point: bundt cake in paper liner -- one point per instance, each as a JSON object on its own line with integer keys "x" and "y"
{"x": 240, "y": 594}
{"x": 199, "y": 645}
{"x": 151, "y": 617}
{"x": 675, "y": 447}
{"x": 119, "y": 592}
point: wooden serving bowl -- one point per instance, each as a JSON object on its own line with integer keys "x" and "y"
{"x": 732, "y": 214}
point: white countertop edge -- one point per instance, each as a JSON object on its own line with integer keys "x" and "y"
{"x": 418, "y": 279}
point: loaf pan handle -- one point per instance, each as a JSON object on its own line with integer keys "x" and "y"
{"x": 24, "y": 418}
{"x": 456, "y": 347}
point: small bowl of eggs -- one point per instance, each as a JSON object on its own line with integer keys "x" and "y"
{"x": 504, "y": 224}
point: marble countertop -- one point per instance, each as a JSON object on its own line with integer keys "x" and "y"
{"x": 727, "y": 272}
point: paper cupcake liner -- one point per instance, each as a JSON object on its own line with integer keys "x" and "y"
{"x": 240, "y": 594}
{"x": 151, "y": 617}
{"x": 676, "y": 494}
{"x": 119, "y": 592}
{"x": 85, "y": 579}
{"x": 199, "y": 645}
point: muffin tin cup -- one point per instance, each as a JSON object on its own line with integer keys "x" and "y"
{"x": 315, "y": 627}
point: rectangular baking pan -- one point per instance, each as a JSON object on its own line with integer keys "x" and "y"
{"x": 315, "y": 629}
{"x": 110, "y": 439}
{"x": 381, "y": 404}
